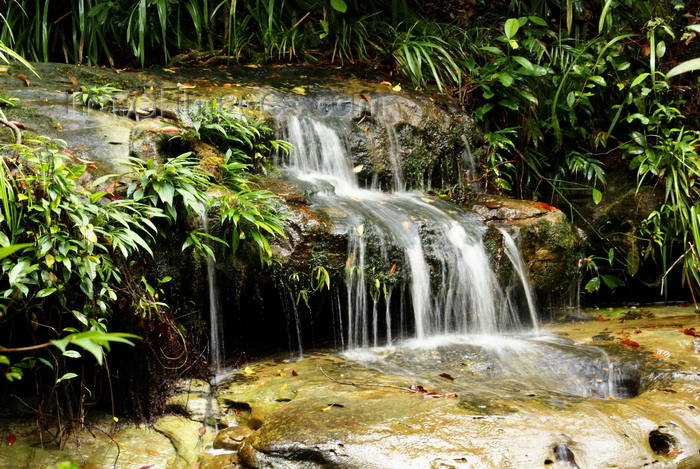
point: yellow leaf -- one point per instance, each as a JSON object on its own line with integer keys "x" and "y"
{"x": 360, "y": 230}
{"x": 49, "y": 260}
{"x": 248, "y": 371}
{"x": 326, "y": 409}
{"x": 168, "y": 70}
{"x": 358, "y": 168}
{"x": 115, "y": 418}
{"x": 284, "y": 386}
{"x": 281, "y": 373}
{"x": 298, "y": 90}
{"x": 396, "y": 88}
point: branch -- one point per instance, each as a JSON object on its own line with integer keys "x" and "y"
{"x": 347, "y": 383}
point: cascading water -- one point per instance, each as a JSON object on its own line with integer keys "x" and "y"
{"x": 423, "y": 258}
{"x": 216, "y": 352}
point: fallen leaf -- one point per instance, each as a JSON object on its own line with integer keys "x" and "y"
{"x": 226, "y": 85}
{"x": 129, "y": 69}
{"x": 145, "y": 148}
{"x": 72, "y": 155}
{"x": 385, "y": 83}
{"x": 146, "y": 467}
{"x": 360, "y": 230}
{"x": 629, "y": 342}
{"x": 170, "y": 128}
{"x": 392, "y": 270}
{"x": 601, "y": 318}
{"x": 17, "y": 124}
{"x": 248, "y": 371}
{"x": 294, "y": 373}
{"x": 396, "y": 88}
{"x": 358, "y": 168}
{"x": 281, "y": 373}
{"x": 362, "y": 119}
{"x": 202, "y": 431}
{"x": 275, "y": 75}
{"x": 661, "y": 354}
{"x": 418, "y": 389}
{"x": 350, "y": 260}
{"x": 447, "y": 376}
{"x": 691, "y": 331}
{"x": 74, "y": 81}
{"x": 546, "y": 206}
{"x": 674, "y": 452}
{"x": 11, "y": 438}
{"x": 185, "y": 86}
{"x": 366, "y": 97}
{"x": 284, "y": 386}
{"x": 168, "y": 70}
{"x": 638, "y": 331}
{"x": 299, "y": 90}
{"x": 23, "y": 78}
{"x": 437, "y": 395}
{"x": 330, "y": 406}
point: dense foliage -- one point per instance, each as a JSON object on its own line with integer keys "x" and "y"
{"x": 566, "y": 91}
{"x": 71, "y": 254}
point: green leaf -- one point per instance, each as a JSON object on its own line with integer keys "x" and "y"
{"x": 9, "y": 250}
{"x": 66, "y": 376}
{"x": 508, "y": 104}
{"x": 687, "y": 66}
{"x": 598, "y": 80}
{"x": 597, "y": 196}
{"x": 571, "y": 99}
{"x": 660, "y": 49}
{"x": 633, "y": 261}
{"x": 339, "y": 5}
{"x": 593, "y": 285}
{"x": 639, "y": 79}
{"x": 524, "y": 62}
{"x": 511, "y": 27}
{"x": 45, "y": 292}
{"x": 537, "y": 20}
{"x": 505, "y": 78}
{"x": 72, "y": 354}
{"x": 612, "y": 281}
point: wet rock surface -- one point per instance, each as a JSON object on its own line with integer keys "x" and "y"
{"x": 358, "y": 410}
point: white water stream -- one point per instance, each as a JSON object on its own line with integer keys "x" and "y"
{"x": 422, "y": 258}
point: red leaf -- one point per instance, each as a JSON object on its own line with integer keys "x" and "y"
{"x": 23, "y": 78}
{"x": 447, "y": 376}
{"x": 275, "y": 75}
{"x": 674, "y": 452}
{"x": 149, "y": 466}
{"x": 691, "y": 331}
{"x": 294, "y": 373}
{"x": 11, "y": 438}
{"x": 18, "y": 124}
{"x": 629, "y": 342}
{"x": 601, "y": 318}
{"x": 170, "y": 128}
{"x": 419, "y": 389}
{"x": 546, "y": 206}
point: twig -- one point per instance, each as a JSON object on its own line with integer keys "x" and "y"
{"x": 347, "y": 383}
{"x": 15, "y": 129}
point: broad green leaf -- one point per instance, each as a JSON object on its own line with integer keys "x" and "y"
{"x": 523, "y": 62}
{"x": 639, "y": 79}
{"x": 66, "y": 376}
{"x": 339, "y": 5}
{"x": 511, "y": 27}
{"x": 593, "y": 285}
{"x": 687, "y": 66}
{"x": 537, "y": 20}
{"x": 598, "y": 80}
{"x": 660, "y": 49}
{"x": 45, "y": 292}
{"x": 72, "y": 354}
{"x": 505, "y": 79}
{"x": 597, "y": 196}
{"x": 9, "y": 250}
{"x": 633, "y": 261}
{"x": 612, "y": 282}
{"x": 508, "y": 104}
{"x": 571, "y": 99}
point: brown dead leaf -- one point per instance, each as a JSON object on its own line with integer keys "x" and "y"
{"x": 23, "y": 78}
{"x": 74, "y": 81}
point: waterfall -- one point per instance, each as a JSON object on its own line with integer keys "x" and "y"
{"x": 418, "y": 258}
{"x": 216, "y": 346}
